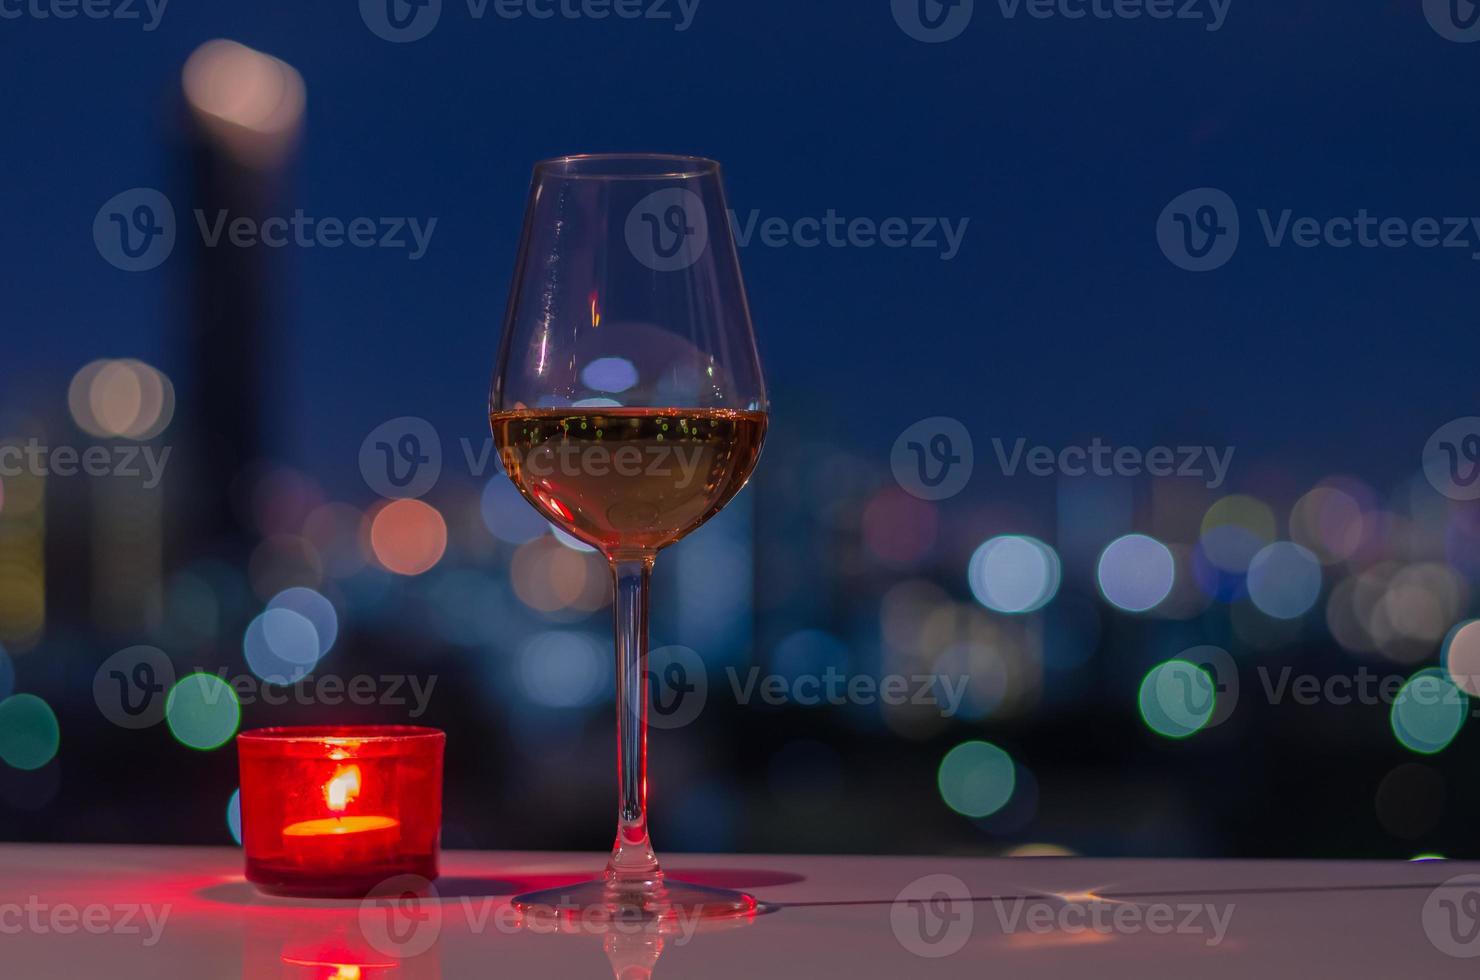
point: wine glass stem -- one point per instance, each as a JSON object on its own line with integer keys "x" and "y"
{"x": 633, "y": 862}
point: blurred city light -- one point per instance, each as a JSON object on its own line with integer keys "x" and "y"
{"x": 202, "y": 711}
{"x": 281, "y": 646}
{"x": 29, "y": 734}
{"x": 976, "y": 779}
{"x": 313, "y": 607}
{"x": 408, "y": 537}
{"x": 560, "y": 669}
{"x": 252, "y": 102}
{"x": 1014, "y": 573}
{"x": 128, "y": 398}
{"x": 1136, "y": 572}
{"x": 234, "y": 815}
{"x": 1428, "y": 712}
{"x": 1177, "y": 698}
{"x": 1461, "y": 657}
{"x": 1284, "y": 580}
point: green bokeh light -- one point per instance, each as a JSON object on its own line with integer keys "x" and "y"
{"x": 976, "y": 779}
{"x": 1429, "y": 711}
{"x": 29, "y": 735}
{"x": 234, "y": 815}
{"x": 1177, "y": 698}
{"x": 202, "y": 712}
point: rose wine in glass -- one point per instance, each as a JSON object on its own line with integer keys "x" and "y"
{"x": 628, "y": 408}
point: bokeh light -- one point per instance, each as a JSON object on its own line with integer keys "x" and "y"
{"x": 281, "y": 646}
{"x": 313, "y": 607}
{"x": 560, "y": 583}
{"x": 1233, "y": 531}
{"x": 29, "y": 734}
{"x": 976, "y": 779}
{"x": 1461, "y": 656}
{"x": 1177, "y": 698}
{"x": 1429, "y": 711}
{"x": 1136, "y": 572}
{"x": 252, "y": 102}
{"x": 1284, "y": 580}
{"x": 408, "y": 536}
{"x": 234, "y": 815}
{"x": 508, "y": 516}
{"x": 612, "y": 375}
{"x": 898, "y": 528}
{"x": 1328, "y": 522}
{"x": 560, "y": 669}
{"x": 1014, "y": 573}
{"x": 202, "y": 711}
{"x": 121, "y": 398}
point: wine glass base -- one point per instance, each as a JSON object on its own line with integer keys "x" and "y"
{"x": 664, "y": 908}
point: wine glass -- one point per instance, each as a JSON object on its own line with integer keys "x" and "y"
{"x": 628, "y": 408}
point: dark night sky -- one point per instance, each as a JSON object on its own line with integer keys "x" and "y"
{"x": 1060, "y": 141}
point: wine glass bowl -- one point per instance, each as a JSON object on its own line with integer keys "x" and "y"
{"x": 628, "y": 408}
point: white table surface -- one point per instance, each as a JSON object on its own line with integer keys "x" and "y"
{"x": 65, "y": 913}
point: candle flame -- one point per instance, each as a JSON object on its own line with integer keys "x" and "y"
{"x": 342, "y": 788}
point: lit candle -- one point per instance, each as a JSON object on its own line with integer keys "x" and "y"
{"x": 337, "y": 811}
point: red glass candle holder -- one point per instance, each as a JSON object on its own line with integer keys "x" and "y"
{"x": 334, "y": 811}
